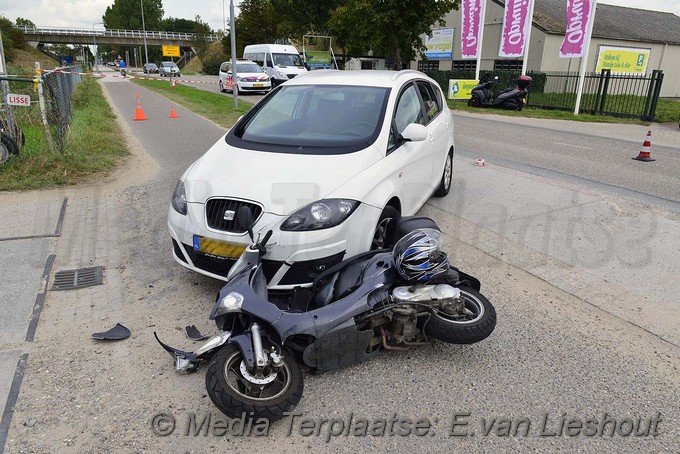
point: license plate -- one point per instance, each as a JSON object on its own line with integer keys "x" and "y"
{"x": 218, "y": 248}
{"x": 259, "y": 85}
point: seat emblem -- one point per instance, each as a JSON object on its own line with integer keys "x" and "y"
{"x": 229, "y": 215}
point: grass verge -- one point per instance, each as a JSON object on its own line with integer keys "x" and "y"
{"x": 93, "y": 147}
{"x": 213, "y": 106}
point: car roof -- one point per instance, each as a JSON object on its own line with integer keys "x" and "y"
{"x": 374, "y": 78}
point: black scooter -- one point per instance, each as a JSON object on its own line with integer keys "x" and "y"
{"x": 511, "y": 98}
{"x": 352, "y": 311}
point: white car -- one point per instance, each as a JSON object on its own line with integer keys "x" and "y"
{"x": 327, "y": 162}
{"x": 249, "y": 77}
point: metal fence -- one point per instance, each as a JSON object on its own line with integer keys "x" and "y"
{"x": 604, "y": 93}
{"x": 35, "y": 112}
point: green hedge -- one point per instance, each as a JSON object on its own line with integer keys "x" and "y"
{"x": 505, "y": 78}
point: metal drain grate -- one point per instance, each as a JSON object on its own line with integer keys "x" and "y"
{"x": 74, "y": 279}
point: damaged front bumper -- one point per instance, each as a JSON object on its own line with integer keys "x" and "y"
{"x": 188, "y": 362}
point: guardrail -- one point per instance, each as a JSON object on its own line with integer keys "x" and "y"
{"x": 114, "y": 33}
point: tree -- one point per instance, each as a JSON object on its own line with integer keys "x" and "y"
{"x": 200, "y": 42}
{"x": 301, "y": 17}
{"x": 258, "y": 22}
{"x": 177, "y": 25}
{"x": 127, "y": 15}
{"x": 25, "y": 22}
{"x": 12, "y": 38}
{"x": 393, "y": 28}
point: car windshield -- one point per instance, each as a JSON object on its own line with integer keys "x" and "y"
{"x": 248, "y": 68}
{"x": 315, "y": 119}
{"x": 170, "y": 65}
{"x": 151, "y": 65}
{"x": 287, "y": 60}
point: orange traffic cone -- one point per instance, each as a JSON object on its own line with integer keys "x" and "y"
{"x": 173, "y": 114}
{"x": 645, "y": 153}
{"x": 139, "y": 112}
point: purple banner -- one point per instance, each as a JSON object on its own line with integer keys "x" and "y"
{"x": 579, "y": 15}
{"x": 471, "y": 29}
{"x": 516, "y": 23}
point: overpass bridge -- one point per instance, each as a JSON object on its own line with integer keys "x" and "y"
{"x": 87, "y": 36}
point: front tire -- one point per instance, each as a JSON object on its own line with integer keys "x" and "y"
{"x": 474, "y": 101}
{"x": 235, "y": 393}
{"x": 467, "y": 329}
{"x": 447, "y": 177}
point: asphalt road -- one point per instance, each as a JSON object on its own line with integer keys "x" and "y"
{"x": 586, "y": 328}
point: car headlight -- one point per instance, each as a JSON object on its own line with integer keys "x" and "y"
{"x": 179, "y": 198}
{"x": 282, "y": 75}
{"x": 320, "y": 215}
{"x": 230, "y": 303}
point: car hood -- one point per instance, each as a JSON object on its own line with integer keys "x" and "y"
{"x": 281, "y": 182}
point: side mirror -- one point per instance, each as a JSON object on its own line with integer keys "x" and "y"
{"x": 244, "y": 217}
{"x": 414, "y": 132}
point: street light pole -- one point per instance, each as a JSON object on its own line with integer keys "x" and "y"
{"x": 96, "y": 50}
{"x": 146, "y": 51}
{"x": 232, "y": 31}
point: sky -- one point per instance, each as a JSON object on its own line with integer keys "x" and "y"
{"x": 84, "y": 13}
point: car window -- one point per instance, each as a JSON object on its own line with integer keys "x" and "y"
{"x": 248, "y": 68}
{"x": 316, "y": 119}
{"x": 269, "y": 61}
{"x": 426, "y": 93}
{"x": 409, "y": 110}
{"x": 224, "y": 68}
{"x": 287, "y": 60}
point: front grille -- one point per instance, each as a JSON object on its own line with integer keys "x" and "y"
{"x": 178, "y": 251}
{"x": 216, "y": 208}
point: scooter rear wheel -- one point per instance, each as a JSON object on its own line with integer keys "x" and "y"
{"x": 474, "y": 102}
{"x": 235, "y": 390}
{"x": 464, "y": 329}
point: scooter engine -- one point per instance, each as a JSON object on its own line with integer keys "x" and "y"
{"x": 441, "y": 297}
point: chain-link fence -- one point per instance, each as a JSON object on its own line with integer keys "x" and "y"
{"x": 35, "y": 112}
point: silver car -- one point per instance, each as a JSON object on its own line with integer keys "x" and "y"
{"x": 168, "y": 69}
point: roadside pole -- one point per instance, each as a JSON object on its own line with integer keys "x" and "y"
{"x": 234, "y": 86}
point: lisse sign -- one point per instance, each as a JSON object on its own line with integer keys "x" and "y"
{"x": 579, "y": 16}
{"x": 471, "y": 25}
{"x": 515, "y": 25}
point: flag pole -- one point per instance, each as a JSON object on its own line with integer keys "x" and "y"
{"x": 528, "y": 37}
{"x": 481, "y": 39}
{"x": 584, "y": 60}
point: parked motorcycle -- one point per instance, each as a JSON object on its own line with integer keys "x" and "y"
{"x": 386, "y": 299}
{"x": 511, "y": 98}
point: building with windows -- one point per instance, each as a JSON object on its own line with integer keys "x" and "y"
{"x": 631, "y": 31}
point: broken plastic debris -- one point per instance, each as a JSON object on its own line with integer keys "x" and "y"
{"x": 480, "y": 162}
{"x": 193, "y": 333}
{"x": 118, "y": 332}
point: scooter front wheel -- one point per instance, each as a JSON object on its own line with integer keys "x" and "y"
{"x": 268, "y": 394}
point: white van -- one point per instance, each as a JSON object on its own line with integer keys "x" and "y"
{"x": 280, "y": 61}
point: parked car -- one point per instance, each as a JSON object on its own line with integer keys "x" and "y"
{"x": 168, "y": 69}
{"x": 327, "y": 161}
{"x": 150, "y": 68}
{"x": 249, "y": 77}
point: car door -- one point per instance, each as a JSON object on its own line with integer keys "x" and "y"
{"x": 412, "y": 160}
{"x": 438, "y": 129}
